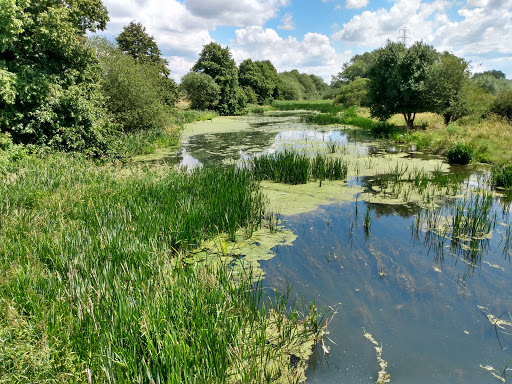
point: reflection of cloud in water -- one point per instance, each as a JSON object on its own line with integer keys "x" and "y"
{"x": 189, "y": 161}
{"x": 311, "y": 135}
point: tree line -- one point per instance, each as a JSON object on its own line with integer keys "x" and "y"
{"x": 409, "y": 80}
{"x": 215, "y": 82}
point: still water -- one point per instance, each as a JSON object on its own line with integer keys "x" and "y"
{"x": 425, "y": 306}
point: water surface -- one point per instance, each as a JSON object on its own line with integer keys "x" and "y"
{"x": 425, "y": 305}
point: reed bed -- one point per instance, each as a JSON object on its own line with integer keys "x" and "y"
{"x": 293, "y": 167}
{"x": 92, "y": 288}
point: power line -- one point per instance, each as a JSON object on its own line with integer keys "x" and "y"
{"x": 404, "y": 36}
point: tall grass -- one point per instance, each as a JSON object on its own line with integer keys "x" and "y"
{"x": 292, "y": 167}
{"x": 92, "y": 289}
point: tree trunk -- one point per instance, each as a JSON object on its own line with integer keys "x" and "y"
{"x": 409, "y": 120}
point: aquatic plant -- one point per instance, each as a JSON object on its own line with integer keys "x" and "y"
{"x": 460, "y": 154}
{"x": 293, "y": 167}
{"x": 501, "y": 176}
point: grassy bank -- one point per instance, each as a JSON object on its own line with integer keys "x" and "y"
{"x": 91, "y": 286}
{"x": 489, "y": 136}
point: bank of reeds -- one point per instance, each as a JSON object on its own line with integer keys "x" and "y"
{"x": 92, "y": 289}
{"x": 293, "y": 167}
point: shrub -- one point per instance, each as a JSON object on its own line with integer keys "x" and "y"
{"x": 201, "y": 90}
{"x": 502, "y": 105}
{"x": 460, "y": 153}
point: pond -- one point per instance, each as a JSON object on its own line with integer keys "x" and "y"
{"x": 387, "y": 256}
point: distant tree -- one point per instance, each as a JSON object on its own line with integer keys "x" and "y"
{"x": 471, "y": 100}
{"x": 446, "y": 82}
{"x": 217, "y": 63}
{"x": 291, "y": 89}
{"x": 493, "y": 72}
{"x": 353, "y": 93}
{"x": 321, "y": 86}
{"x": 260, "y": 78}
{"x": 502, "y": 105}
{"x": 136, "y": 42}
{"x": 493, "y": 81}
{"x": 358, "y": 66}
{"x": 399, "y": 81}
{"x": 201, "y": 90}
{"x": 48, "y": 76}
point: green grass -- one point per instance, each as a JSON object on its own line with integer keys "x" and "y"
{"x": 91, "y": 283}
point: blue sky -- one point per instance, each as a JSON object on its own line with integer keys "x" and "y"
{"x": 318, "y": 36}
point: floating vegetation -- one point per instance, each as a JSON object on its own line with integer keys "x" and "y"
{"x": 494, "y": 372}
{"x": 383, "y": 376}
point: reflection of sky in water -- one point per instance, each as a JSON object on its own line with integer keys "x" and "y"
{"x": 188, "y": 161}
{"x": 428, "y": 321}
{"x": 294, "y": 138}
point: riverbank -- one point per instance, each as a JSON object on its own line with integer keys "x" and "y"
{"x": 93, "y": 287}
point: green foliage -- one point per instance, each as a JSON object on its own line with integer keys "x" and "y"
{"x": 358, "y": 66}
{"x": 9, "y": 151}
{"x": 89, "y": 284}
{"x": 501, "y": 176}
{"x": 292, "y": 167}
{"x": 135, "y": 41}
{"x": 201, "y": 90}
{"x": 502, "y": 105}
{"x": 472, "y": 100}
{"x": 217, "y": 63}
{"x": 134, "y": 94}
{"x": 301, "y": 86}
{"x": 399, "y": 81}
{"x": 448, "y": 77}
{"x": 353, "y": 93}
{"x": 48, "y": 75}
{"x": 493, "y": 81}
{"x": 460, "y": 153}
{"x": 260, "y": 78}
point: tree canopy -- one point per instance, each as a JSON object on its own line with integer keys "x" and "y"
{"x": 261, "y": 78}
{"x": 216, "y": 62}
{"x": 399, "y": 79}
{"x": 48, "y": 76}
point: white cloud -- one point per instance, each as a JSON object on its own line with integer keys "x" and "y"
{"x": 238, "y": 13}
{"x": 287, "y": 23}
{"x": 314, "y": 54}
{"x": 356, "y": 4}
{"x": 374, "y": 28}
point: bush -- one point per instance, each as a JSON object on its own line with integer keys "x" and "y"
{"x": 134, "y": 91}
{"x": 502, "y": 105}
{"x": 460, "y": 154}
{"x": 501, "y": 176}
{"x": 201, "y": 90}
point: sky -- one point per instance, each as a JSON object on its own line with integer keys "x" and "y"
{"x": 318, "y": 36}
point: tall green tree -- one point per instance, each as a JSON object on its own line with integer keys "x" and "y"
{"x": 448, "y": 77}
{"x": 136, "y": 42}
{"x": 399, "y": 79}
{"x": 216, "y": 62}
{"x": 260, "y": 77}
{"x": 49, "y": 76}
